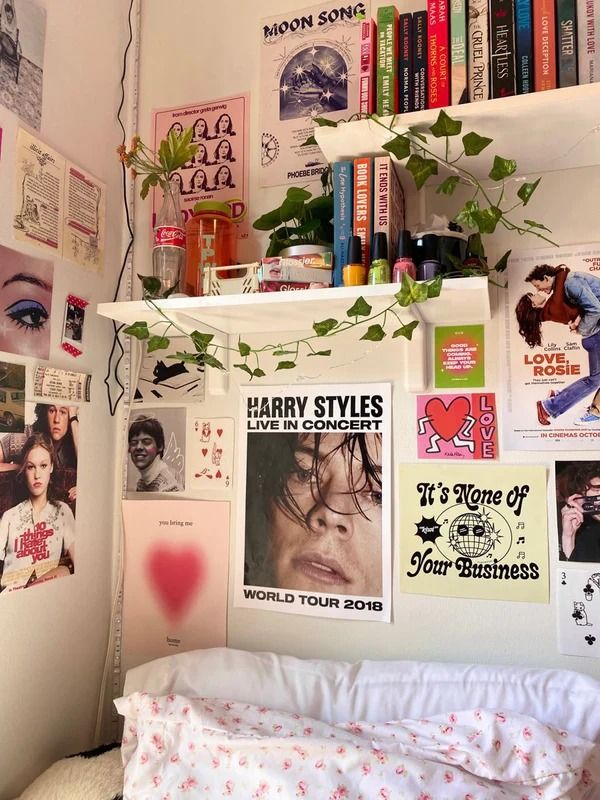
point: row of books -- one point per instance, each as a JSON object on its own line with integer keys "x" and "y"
{"x": 368, "y": 198}
{"x": 458, "y": 51}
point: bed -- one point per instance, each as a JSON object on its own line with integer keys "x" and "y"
{"x": 259, "y": 726}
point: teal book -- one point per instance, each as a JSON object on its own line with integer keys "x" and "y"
{"x": 343, "y": 179}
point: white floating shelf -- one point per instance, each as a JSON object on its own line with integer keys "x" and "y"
{"x": 542, "y": 131}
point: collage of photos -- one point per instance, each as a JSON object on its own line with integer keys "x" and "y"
{"x": 210, "y": 169}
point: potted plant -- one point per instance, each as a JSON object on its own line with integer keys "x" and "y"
{"x": 300, "y": 221}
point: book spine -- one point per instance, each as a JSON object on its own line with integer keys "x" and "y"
{"x": 544, "y": 45}
{"x": 566, "y": 42}
{"x": 287, "y": 273}
{"x": 523, "y": 46}
{"x": 438, "y": 40}
{"x": 343, "y": 175}
{"x": 420, "y": 80}
{"x": 388, "y": 201}
{"x": 588, "y": 30}
{"x": 387, "y": 60}
{"x": 363, "y": 205}
{"x": 368, "y": 66}
{"x": 405, "y": 28}
{"x": 458, "y": 51}
{"x": 289, "y": 286}
{"x": 478, "y": 56}
{"x": 502, "y": 49}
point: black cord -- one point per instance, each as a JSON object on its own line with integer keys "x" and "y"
{"x": 112, "y": 370}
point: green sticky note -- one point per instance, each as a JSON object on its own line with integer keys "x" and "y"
{"x": 459, "y": 356}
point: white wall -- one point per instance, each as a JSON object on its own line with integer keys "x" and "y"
{"x": 54, "y": 636}
{"x": 217, "y": 54}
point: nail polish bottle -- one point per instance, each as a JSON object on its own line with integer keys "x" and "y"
{"x": 354, "y": 272}
{"x": 404, "y": 262}
{"x": 475, "y": 257}
{"x": 379, "y": 271}
{"x": 429, "y": 266}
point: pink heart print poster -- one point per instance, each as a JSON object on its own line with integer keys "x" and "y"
{"x": 175, "y": 583}
{"x": 462, "y": 426}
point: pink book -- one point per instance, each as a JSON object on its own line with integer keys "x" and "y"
{"x": 368, "y": 66}
{"x": 438, "y": 39}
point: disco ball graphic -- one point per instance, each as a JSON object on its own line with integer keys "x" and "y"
{"x": 472, "y": 535}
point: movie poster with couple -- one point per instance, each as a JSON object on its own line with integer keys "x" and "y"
{"x": 553, "y": 349}
{"x": 315, "y": 494}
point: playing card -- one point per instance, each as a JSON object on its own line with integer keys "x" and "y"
{"x": 579, "y": 611}
{"x": 211, "y": 453}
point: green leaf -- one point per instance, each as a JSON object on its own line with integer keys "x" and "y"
{"x": 360, "y": 308}
{"x": 467, "y": 214}
{"x": 309, "y": 226}
{"x": 411, "y": 291}
{"x": 285, "y": 365}
{"x": 448, "y": 185}
{"x": 476, "y": 245}
{"x": 406, "y": 330}
{"x": 487, "y": 219}
{"x": 421, "y": 169}
{"x": 211, "y": 361}
{"x": 258, "y": 373}
{"x": 244, "y": 348}
{"x": 324, "y": 123}
{"x": 281, "y": 352}
{"x": 474, "y": 143}
{"x": 201, "y": 340}
{"x": 417, "y": 134}
{"x": 157, "y": 343}
{"x": 321, "y": 206}
{"x": 309, "y": 141}
{"x": 296, "y": 194}
{"x": 325, "y": 326}
{"x": 375, "y": 333}
{"x": 533, "y": 224}
{"x": 268, "y": 221}
{"x": 188, "y": 358}
{"x": 502, "y": 168}
{"x": 434, "y": 287}
{"x": 503, "y": 262}
{"x": 291, "y": 209}
{"x": 320, "y": 353}
{"x": 526, "y": 190}
{"x": 139, "y": 330}
{"x": 150, "y": 285}
{"x": 244, "y": 368}
{"x": 149, "y": 180}
{"x": 445, "y": 126}
{"x": 399, "y": 146}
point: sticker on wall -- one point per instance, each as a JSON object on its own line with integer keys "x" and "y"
{"x": 211, "y": 453}
{"x": 22, "y": 40}
{"x": 34, "y": 551}
{"x": 25, "y": 303}
{"x": 578, "y": 594}
{"x": 61, "y": 384}
{"x": 461, "y": 426}
{"x": 578, "y": 510}
{"x": 156, "y": 447}
{"x": 315, "y": 485}
{"x": 72, "y": 337}
{"x": 163, "y": 378}
{"x": 469, "y": 532}
{"x": 12, "y": 397}
{"x": 219, "y": 169}
{"x": 309, "y": 68}
{"x": 61, "y": 208}
{"x": 459, "y": 357}
{"x": 175, "y": 583}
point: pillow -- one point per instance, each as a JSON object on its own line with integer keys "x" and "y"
{"x": 375, "y": 691}
{"x": 173, "y": 744}
{"x": 94, "y": 775}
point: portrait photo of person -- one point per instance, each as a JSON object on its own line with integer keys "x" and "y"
{"x": 198, "y": 182}
{"x": 223, "y": 178}
{"x": 26, "y": 303}
{"x": 223, "y": 152}
{"x": 199, "y": 130}
{"x": 223, "y": 127}
{"x": 176, "y": 128}
{"x": 156, "y": 451}
{"x": 314, "y": 512}
{"x": 37, "y": 535}
{"x": 578, "y": 510}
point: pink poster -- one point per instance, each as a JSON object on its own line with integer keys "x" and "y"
{"x": 175, "y": 583}
{"x": 462, "y": 426}
{"x": 219, "y": 170}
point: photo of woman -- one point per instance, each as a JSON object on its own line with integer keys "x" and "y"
{"x": 37, "y": 535}
{"x": 199, "y": 130}
{"x": 223, "y": 127}
{"x": 223, "y": 178}
{"x": 223, "y": 152}
{"x": 198, "y": 182}
{"x": 314, "y": 512}
{"x": 176, "y": 128}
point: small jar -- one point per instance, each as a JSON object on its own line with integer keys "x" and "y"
{"x": 210, "y": 242}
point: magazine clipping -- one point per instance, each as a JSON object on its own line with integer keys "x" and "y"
{"x": 315, "y": 538}
{"x": 310, "y": 65}
{"x": 553, "y": 353}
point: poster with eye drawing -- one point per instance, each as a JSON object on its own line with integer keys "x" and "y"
{"x": 163, "y": 378}
{"x": 156, "y": 450}
{"x": 219, "y": 169}
{"x": 472, "y": 532}
{"x": 310, "y": 67}
{"x": 578, "y": 592}
{"x": 553, "y": 352}
{"x": 314, "y": 483}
